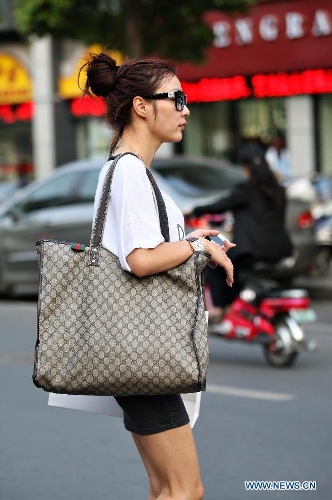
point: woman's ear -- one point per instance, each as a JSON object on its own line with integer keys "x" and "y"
{"x": 140, "y": 107}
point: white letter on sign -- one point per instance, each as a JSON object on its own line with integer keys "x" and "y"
{"x": 294, "y": 25}
{"x": 221, "y": 31}
{"x": 243, "y": 29}
{"x": 268, "y": 28}
{"x": 322, "y": 24}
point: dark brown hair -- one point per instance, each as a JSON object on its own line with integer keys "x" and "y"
{"x": 118, "y": 85}
{"x": 252, "y": 156}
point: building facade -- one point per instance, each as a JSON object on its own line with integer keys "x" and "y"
{"x": 15, "y": 98}
{"x": 268, "y": 74}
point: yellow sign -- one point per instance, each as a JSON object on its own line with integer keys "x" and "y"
{"x": 15, "y": 82}
{"x": 70, "y": 86}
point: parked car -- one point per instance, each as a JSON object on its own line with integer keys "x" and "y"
{"x": 60, "y": 207}
{"x": 7, "y": 189}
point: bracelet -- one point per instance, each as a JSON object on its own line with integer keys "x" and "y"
{"x": 191, "y": 246}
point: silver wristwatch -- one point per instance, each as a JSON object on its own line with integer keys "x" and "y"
{"x": 196, "y": 244}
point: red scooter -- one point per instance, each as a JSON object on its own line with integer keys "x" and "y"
{"x": 267, "y": 314}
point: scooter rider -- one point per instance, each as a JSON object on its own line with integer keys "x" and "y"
{"x": 258, "y": 206}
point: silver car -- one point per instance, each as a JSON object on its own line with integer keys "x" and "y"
{"x": 61, "y": 206}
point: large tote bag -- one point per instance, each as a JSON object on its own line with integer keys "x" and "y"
{"x": 103, "y": 331}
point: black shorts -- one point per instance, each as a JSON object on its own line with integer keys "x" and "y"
{"x": 145, "y": 415}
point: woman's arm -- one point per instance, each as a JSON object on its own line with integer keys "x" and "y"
{"x": 144, "y": 262}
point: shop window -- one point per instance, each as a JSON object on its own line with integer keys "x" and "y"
{"x": 15, "y": 147}
{"x": 262, "y": 119}
{"x": 208, "y": 130}
{"x": 92, "y": 138}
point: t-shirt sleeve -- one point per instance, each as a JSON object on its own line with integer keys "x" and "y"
{"x": 134, "y": 207}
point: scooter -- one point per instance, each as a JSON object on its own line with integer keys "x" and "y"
{"x": 269, "y": 315}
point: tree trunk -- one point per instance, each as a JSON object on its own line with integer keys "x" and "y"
{"x": 133, "y": 13}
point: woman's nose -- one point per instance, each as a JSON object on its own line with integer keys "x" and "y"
{"x": 186, "y": 111}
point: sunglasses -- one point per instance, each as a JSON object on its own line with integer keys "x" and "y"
{"x": 179, "y": 97}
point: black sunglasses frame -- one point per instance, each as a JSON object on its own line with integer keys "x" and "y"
{"x": 179, "y": 97}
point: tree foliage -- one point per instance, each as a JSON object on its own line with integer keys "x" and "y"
{"x": 135, "y": 27}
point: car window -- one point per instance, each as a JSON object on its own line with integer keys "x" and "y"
{"x": 7, "y": 189}
{"x": 87, "y": 189}
{"x": 197, "y": 179}
{"x": 54, "y": 193}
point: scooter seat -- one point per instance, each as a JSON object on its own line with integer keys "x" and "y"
{"x": 256, "y": 293}
{"x": 292, "y": 293}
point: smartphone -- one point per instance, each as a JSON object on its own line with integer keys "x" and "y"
{"x": 217, "y": 239}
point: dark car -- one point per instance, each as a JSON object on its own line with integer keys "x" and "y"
{"x": 60, "y": 207}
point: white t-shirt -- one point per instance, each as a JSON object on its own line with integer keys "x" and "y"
{"x": 132, "y": 219}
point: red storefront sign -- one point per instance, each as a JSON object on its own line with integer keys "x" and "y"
{"x": 317, "y": 81}
{"x": 273, "y": 37}
{"x": 283, "y": 84}
{"x": 236, "y": 87}
{"x": 12, "y": 113}
{"x": 277, "y": 49}
{"x": 216, "y": 89}
{"x": 88, "y": 106}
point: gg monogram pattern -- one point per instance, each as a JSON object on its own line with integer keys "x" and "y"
{"x": 103, "y": 331}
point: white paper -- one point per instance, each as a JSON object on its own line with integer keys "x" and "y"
{"x": 107, "y": 405}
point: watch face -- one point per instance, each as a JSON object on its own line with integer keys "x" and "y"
{"x": 198, "y": 245}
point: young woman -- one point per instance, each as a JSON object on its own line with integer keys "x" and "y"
{"x": 146, "y": 107}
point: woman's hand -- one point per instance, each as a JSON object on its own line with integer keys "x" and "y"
{"x": 219, "y": 256}
{"x": 212, "y": 232}
{"x": 202, "y": 233}
{"x": 217, "y": 252}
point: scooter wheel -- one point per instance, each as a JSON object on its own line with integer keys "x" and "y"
{"x": 279, "y": 352}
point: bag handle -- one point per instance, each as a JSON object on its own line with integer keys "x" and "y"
{"x": 99, "y": 222}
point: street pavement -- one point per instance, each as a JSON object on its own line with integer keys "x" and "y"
{"x": 256, "y": 423}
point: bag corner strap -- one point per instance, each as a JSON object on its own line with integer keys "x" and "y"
{"x": 99, "y": 222}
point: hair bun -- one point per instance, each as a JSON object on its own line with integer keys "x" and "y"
{"x": 101, "y": 74}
